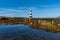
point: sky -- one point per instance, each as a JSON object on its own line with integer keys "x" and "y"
{"x": 21, "y": 8}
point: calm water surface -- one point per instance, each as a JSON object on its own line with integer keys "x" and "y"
{"x": 23, "y": 32}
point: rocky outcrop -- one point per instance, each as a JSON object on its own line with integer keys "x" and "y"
{"x": 47, "y": 24}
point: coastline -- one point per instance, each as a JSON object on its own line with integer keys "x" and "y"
{"x": 46, "y": 24}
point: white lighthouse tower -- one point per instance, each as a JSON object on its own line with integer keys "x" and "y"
{"x": 30, "y": 16}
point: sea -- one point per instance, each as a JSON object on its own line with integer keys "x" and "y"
{"x": 24, "y": 32}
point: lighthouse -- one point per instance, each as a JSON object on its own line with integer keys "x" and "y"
{"x": 30, "y": 15}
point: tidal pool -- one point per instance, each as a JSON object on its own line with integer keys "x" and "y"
{"x": 24, "y": 32}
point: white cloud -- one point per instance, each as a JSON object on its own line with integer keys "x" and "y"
{"x": 12, "y": 12}
{"x": 24, "y": 12}
{"x": 20, "y": 11}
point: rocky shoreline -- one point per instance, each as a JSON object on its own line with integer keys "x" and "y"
{"x": 46, "y": 24}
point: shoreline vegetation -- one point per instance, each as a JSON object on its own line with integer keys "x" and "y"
{"x": 47, "y": 24}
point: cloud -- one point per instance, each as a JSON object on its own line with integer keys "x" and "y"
{"x": 20, "y": 11}
{"x": 36, "y": 11}
{"x": 12, "y": 12}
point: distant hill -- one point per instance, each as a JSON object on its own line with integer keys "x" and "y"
{"x": 58, "y": 17}
{"x": 1, "y": 17}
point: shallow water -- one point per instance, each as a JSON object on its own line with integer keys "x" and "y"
{"x": 23, "y": 32}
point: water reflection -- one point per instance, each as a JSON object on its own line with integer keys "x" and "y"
{"x": 23, "y": 32}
